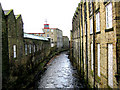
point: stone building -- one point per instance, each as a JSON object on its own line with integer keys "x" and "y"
{"x": 20, "y": 38}
{"x": 4, "y": 62}
{"x": 12, "y": 33}
{"x": 54, "y": 34}
{"x": 35, "y": 47}
{"x": 65, "y": 42}
{"x": 0, "y": 47}
{"x": 95, "y": 43}
{"x": 21, "y": 53}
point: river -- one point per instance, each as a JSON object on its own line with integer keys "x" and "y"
{"x": 60, "y": 74}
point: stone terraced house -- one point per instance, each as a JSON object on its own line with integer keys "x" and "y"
{"x": 95, "y": 43}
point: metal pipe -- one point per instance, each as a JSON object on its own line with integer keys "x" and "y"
{"x": 93, "y": 40}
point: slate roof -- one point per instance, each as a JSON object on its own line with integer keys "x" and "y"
{"x": 17, "y": 16}
{"x": 6, "y": 11}
{"x": 26, "y": 35}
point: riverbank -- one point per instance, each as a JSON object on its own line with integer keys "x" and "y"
{"x": 42, "y": 67}
{"x": 60, "y": 74}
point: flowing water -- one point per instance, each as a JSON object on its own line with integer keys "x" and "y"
{"x": 60, "y": 74}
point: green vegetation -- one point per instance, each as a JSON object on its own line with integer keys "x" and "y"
{"x": 18, "y": 16}
{"x": 92, "y": 73}
{"x": 98, "y": 79}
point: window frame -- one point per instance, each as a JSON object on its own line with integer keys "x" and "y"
{"x": 91, "y": 25}
{"x": 14, "y": 51}
{"x": 85, "y": 27}
{"x": 30, "y": 48}
{"x": 47, "y": 35}
{"x": 25, "y": 49}
{"x": 108, "y": 10}
{"x": 110, "y": 65}
{"x": 51, "y": 30}
{"x": 48, "y": 30}
{"x": 34, "y": 48}
{"x": 98, "y": 58}
{"x": 98, "y": 22}
{"x": 91, "y": 56}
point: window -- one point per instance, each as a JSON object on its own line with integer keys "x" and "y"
{"x": 110, "y": 65}
{"x": 91, "y": 26}
{"x": 14, "y": 50}
{"x": 52, "y": 44}
{"x": 51, "y": 30}
{"x": 92, "y": 56}
{"x": 51, "y": 40}
{"x": 90, "y": 8}
{"x": 37, "y": 34}
{"x": 98, "y": 58}
{"x": 81, "y": 31}
{"x": 47, "y": 30}
{"x": 85, "y": 14}
{"x": 37, "y": 47}
{"x": 85, "y": 28}
{"x": 40, "y": 47}
{"x": 30, "y": 48}
{"x": 46, "y": 25}
{"x": 47, "y": 35}
{"x": 34, "y": 48}
{"x": 109, "y": 16}
{"x": 25, "y": 49}
{"x": 97, "y": 22}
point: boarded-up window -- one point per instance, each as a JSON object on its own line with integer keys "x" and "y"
{"x": 92, "y": 56}
{"x": 91, "y": 26}
{"x": 110, "y": 65}
{"x": 85, "y": 28}
{"x": 14, "y": 50}
{"x": 98, "y": 58}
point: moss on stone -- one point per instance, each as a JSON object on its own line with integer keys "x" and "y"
{"x": 92, "y": 73}
{"x": 18, "y": 16}
{"x": 98, "y": 79}
{"x": 78, "y": 4}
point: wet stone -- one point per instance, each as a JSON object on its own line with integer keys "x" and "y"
{"x": 60, "y": 74}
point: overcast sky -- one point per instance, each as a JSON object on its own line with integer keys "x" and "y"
{"x": 58, "y": 13}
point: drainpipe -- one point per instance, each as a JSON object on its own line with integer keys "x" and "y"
{"x": 86, "y": 45}
{"x": 93, "y": 41}
{"x": 80, "y": 45}
{"x": 118, "y": 63}
{"x": 82, "y": 39}
{"x": 72, "y": 43}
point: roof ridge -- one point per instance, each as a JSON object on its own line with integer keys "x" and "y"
{"x": 9, "y": 11}
{"x": 17, "y": 16}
